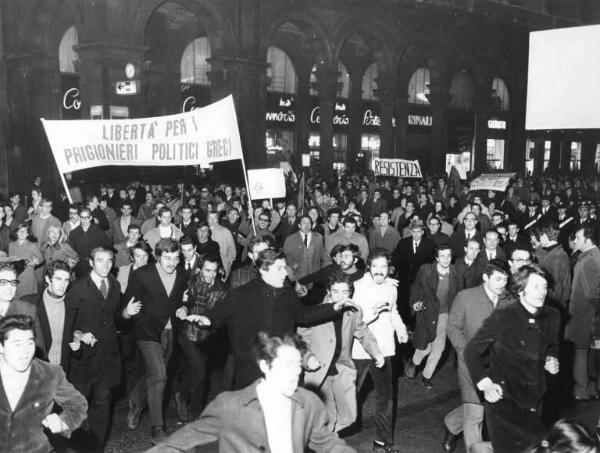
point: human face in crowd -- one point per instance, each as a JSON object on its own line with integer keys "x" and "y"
{"x": 490, "y": 241}
{"x": 168, "y": 261}
{"x": 8, "y": 285}
{"x": 347, "y": 260}
{"x": 165, "y": 219}
{"x": 186, "y": 214}
{"x": 15, "y": 199}
{"x": 263, "y": 222}
{"x": 376, "y": 195}
{"x": 86, "y": 220}
{"x": 18, "y": 349}
{"x": 204, "y": 193}
{"x": 209, "y": 271}
{"x": 149, "y": 199}
{"x": 102, "y": 263}
{"x": 534, "y": 294}
{"x": 256, "y": 249}
{"x": 364, "y": 195}
{"x": 313, "y": 214}
{"x": 476, "y": 210}
{"x": 58, "y": 284}
{"x": 213, "y": 219}
{"x": 188, "y": 251}
{"x": 305, "y": 225}
{"x": 535, "y": 243}
{"x": 396, "y": 194}
{"x": 513, "y": 231}
{"x": 581, "y": 242}
{"x": 233, "y": 215}
{"x": 275, "y": 274}
{"x": 518, "y": 259}
{"x": 501, "y": 229}
{"x": 434, "y": 226}
{"x": 122, "y": 194}
{"x": 338, "y": 292}
{"x": 417, "y": 234}
{"x": 410, "y": 208}
{"x": 472, "y": 249}
{"x": 93, "y": 204}
{"x": 22, "y": 234}
{"x": 73, "y": 215}
{"x": 8, "y": 212}
{"x": 203, "y": 233}
{"x": 103, "y": 204}
{"x": 283, "y": 373}
{"x": 237, "y": 205}
{"x": 166, "y": 195}
{"x": 36, "y": 195}
{"x": 291, "y": 211}
{"x": 158, "y": 207}
{"x": 46, "y": 208}
{"x": 384, "y": 219}
{"x": 470, "y": 221}
{"x": 495, "y": 283}
{"x": 53, "y": 235}
{"x": 349, "y": 228}
{"x": 379, "y": 269}
{"x": 334, "y": 219}
{"x": 126, "y": 210}
{"x": 140, "y": 258}
{"x": 444, "y": 258}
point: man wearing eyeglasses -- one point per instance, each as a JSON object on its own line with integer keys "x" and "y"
{"x": 85, "y": 238}
{"x": 519, "y": 258}
{"x": 11, "y": 306}
{"x": 465, "y": 232}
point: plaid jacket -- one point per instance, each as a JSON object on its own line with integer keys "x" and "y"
{"x": 201, "y": 297}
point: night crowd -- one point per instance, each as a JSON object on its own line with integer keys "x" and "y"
{"x": 292, "y": 303}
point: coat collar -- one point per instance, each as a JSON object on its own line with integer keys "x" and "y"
{"x": 249, "y": 395}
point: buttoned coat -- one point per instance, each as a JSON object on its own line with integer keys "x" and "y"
{"x": 424, "y": 289}
{"x": 302, "y": 260}
{"x": 21, "y": 430}
{"x": 96, "y": 315}
{"x": 557, "y": 263}
{"x": 236, "y": 420}
{"x": 388, "y": 241}
{"x": 585, "y": 297}
{"x": 469, "y": 309}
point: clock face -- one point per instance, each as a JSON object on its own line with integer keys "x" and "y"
{"x": 129, "y": 70}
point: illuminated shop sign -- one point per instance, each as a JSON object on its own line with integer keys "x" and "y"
{"x": 420, "y": 120}
{"x": 193, "y": 97}
{"x": 340, "y": 114}
{"x": 497, "y": 124}
{"x": 71, "y": 97}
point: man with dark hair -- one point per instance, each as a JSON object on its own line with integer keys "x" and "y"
{"x": 272, "y": 412}
{"x": 514, "y": 239}
{"x": 348, "y": 235}
{"x": 165, "y": 229}
{"x": 248, "y": 272}
{"x": 32, "y": 388}
{"x": 205, "y": 290}
{"x": 222, "y": 236}
{"x": 431, "y": 297}
{"x": 555, "y": 261}
{"x": 434, "y": 224}
{"x": 204, "y": 243}
{"x": 98, "y": 216}
{"x": 289, "y": 224}
{"x": 468, "y": 311}
{"x": 55, "y": 320}
{"x": 191, "y": 259}
{"x": 304, "y": 249}
{"x": 86, "y": 237}
{"x": 583, "y": 306}
{"x": 522, "y": 341}
{"x": 188, "y": 224}
{"x": 96, "y": 369}
{"x": 134, "y": 234}
{"x": 160, "y": 287}
{"x": 267, "y": 303}
{"x": 520, "y": 257}
{"x": 332, "y": 225}
{"x": 120, "y": 226}
{"x": 376, "y": 295}
{"x": 466, "y": 267}
{"x": 466, "y": 231}
{"x": 154, "y": 221}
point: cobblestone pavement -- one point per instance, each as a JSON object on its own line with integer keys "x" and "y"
{"x": 419, "y": 424}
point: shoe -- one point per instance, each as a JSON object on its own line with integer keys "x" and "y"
{"x": 427, "y": 383}
{"x": 133, "y": 417}
{"x": 382, "y": 447}
{"x": 157, "y": 434}
{"x": 449, "y": 441}
{"x": 181, "y": 407}
{"x": 410, "y": 370}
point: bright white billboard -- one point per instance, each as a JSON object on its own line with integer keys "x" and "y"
{"x": 563, "y": 86}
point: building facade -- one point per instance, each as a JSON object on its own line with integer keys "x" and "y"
{"x": 322, "y": 83}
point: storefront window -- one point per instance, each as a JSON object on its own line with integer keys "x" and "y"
{"x": 281, "y": 72}
{"x": 575, "y": 161}
{"x": 369, "y": 83}
{"x": 194, "y": 64}
{"x": 343, "y": 80}
{"x": 369, "y": 148}
{"x": 67, "y": 55}
{"x": 495, "y": 154}
{"x": 340, "y": 145}
{"x": 418, "y": 87}
{"x": 547, "y": 148}
{"x": 500, "y": 98}
{"x": 280, "y": 145}
{"x": 314, "y": 146}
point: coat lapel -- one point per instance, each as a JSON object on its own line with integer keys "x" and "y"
{"x": 35, "y": 381}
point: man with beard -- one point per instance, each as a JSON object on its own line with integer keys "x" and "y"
{"x": 373, "y": 291}
{"x": 264, "y": 304}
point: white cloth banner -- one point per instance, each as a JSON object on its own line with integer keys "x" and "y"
{"x": 491, "y": 181}
{"x": 397, "y": 167}
{"x": 266, "y": 183}
{"x": 199, "y": 137}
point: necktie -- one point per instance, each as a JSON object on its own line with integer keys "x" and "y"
{"x": 188, "y": 265}
{"x": 103, "y": 288}
{"x": 306, "y": 241}
{"x": 415, "y": 245}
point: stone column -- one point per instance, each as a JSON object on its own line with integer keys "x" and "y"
{"x": 588, "y": 152}
{"x": 401, "y": 129}
{"x": 439, "y": 98}
{"x": 385, "y": 94}
{"x": 327, "y": 84}
{"x": 355, "y": 110}
{"x": 482, "y": 104}
{"x": 246, "y": 79}
{"x": 302, "y": 107}
{"x": 554, "y": 151}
